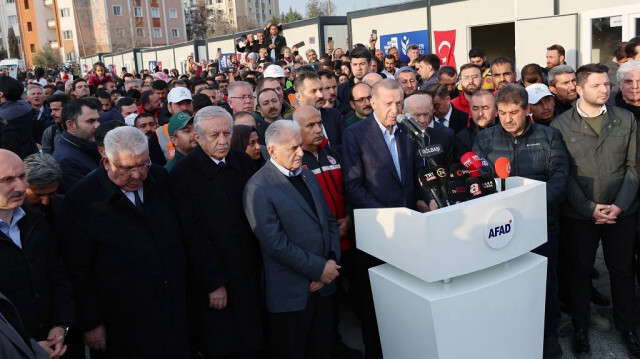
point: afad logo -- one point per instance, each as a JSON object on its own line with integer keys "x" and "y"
{"x": 499, "y": 229}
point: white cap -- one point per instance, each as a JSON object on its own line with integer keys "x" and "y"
{"x": 537, "y": 92}
{"x": 131, "y": 119}
{"x": 273, "y": 71}
{"x": 178, "y": 94}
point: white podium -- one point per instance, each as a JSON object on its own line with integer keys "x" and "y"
{"x": 460, "y": 282}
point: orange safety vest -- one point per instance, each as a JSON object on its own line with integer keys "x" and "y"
{"x": 165, "y": 142}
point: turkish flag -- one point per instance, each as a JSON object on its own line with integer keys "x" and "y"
{"x": 445, "y": 47}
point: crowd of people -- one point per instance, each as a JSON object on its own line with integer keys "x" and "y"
{"x": 210, "y": 214}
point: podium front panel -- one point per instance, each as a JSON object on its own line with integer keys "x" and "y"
{"x": 459, "y": 239}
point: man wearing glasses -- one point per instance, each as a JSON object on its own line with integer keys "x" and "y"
{"x": 241, "y": 97}
{"x": 471, "y": 81}
{"x": 360, "y": 103}
{"x": 123, "y": 245}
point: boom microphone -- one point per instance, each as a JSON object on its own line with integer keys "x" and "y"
{"x": 429, "y": 181}
{"x": 473, "y": 163}
{"x": 443, "y": 178}
{"x": 410, "y": 124}
{"x": 503, "y": 170}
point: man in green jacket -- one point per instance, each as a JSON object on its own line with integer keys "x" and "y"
{"x": 601, "y": 202}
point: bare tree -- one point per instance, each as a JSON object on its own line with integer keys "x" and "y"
{"x": 315, "y": 8}
{"x": 197, "y": 21}
{"x": 221, "y": 24}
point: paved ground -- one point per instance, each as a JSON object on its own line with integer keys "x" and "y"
{"x": 604, "y": 344}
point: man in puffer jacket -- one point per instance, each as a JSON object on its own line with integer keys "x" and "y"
{"x": 536, "y": 152}
{"x": 19, "y": 114}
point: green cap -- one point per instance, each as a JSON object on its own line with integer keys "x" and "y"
{"x": 178, "y": 121}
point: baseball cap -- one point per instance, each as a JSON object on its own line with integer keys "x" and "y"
{"x": 178, "y": 94}
{"x": 537, "y": 92}
{"x": 404, "y": 69}
{"x": 273, "y": 71}
{"x": 178, "y": 121}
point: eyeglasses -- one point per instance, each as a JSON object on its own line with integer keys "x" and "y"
{"x": 360, "y": 100}
{"x": 130, "y": 170}
{"x": 466, "y": 78}
{"x": 245, "y": 97}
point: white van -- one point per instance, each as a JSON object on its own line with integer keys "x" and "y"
{"x": 12, "y": 65}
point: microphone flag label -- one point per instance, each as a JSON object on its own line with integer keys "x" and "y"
{"x": 430, "y": 150}
{"x": 499, "y": 229}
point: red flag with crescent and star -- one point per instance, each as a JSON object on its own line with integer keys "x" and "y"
{"x": 445, "y": 47}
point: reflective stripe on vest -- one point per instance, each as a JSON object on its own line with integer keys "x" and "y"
{"x": 165, "y": 142}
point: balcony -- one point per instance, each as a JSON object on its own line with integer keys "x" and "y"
{"x": 51, "y": 24}
{"x": 48, "y": 3}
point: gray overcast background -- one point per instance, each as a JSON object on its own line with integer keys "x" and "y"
{"x": 343, "y": 6}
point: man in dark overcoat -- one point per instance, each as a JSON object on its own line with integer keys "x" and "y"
{"x": 224, "y": 255}
{"x": 123, "y": 245}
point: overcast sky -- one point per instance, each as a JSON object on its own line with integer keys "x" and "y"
{"x": 343, "y": 6}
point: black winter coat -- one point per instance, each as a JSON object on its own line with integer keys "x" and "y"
{"x": 222, "y": 250}
{"x": 538, "y": 153}
{"x": 34, "y": 277}
{"x": 128, "y": 267}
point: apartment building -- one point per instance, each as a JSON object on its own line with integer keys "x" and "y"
{"x": 243, "y": 14}
{"x": 8, "y": 19}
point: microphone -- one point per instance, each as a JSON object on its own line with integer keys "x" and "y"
{"x": 473, "y": 187}
{"x": 410, "y": 124}
{"x": 407, "y": 119}
{"x": 456, "y": 191}
{"x": 473, "y": 163}
{"x": 443, "y": 178}
{"x": 458, "y": 172}
{"x": 503, "y": 169}
{"x": 488, "y": 184}
{"x": 429, "y": 181}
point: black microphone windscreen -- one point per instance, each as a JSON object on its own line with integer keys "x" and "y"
{"x": 488, "y": 184}
{"x": 474, "y": 187}
{"x": 458, "y": 171}
{"x": 456, "y": 191}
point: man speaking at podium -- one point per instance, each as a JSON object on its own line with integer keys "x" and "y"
{"x": 535, "y": 152}
{"x": 381, "y": 171}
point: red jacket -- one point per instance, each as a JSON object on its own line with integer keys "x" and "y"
{"x": 329, "y": 173}
{"x": 462, "y": 104}
{"x": 95, "y": 80}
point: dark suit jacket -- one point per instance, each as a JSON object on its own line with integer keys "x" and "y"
{"x": 14, "y": 341}
{"x": 222, "y": 250}
{"x": 296, "y": 242}
{"x": 459, "y": 120}
{"x": 34, "y": 277}
{"x": 371, "y": 180}
{"x": 445, "y": 138}
{"x": 127, "y": 266}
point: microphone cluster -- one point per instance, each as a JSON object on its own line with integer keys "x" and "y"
{"x": 461, "y": 182}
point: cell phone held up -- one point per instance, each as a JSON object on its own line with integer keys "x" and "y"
{"x": 374, "y": 34}
{"x": 300, "y": 44}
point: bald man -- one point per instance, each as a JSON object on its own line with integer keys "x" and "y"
{"x": 372, "y": 78}
{"x": 324, "y": 162}
{"x": 29, "y": 254}
{"x": 420, "y": 107}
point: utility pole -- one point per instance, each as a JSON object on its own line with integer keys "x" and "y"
{"x": 329, "y": 6}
